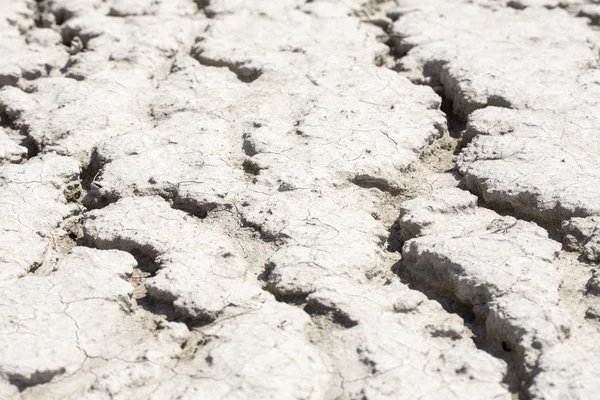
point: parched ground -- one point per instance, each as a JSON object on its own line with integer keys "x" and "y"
{"x": 299, "y": 199}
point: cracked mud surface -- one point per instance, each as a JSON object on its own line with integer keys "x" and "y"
{"x": 291, "y": 199}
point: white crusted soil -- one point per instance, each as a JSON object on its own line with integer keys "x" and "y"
{"x": 233, "y": 199}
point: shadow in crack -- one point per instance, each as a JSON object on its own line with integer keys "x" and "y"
{"x": 18, "y": 134}
{"x": 455, "y": 125}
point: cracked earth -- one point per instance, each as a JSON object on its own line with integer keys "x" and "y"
{"x": 299, "y": 199}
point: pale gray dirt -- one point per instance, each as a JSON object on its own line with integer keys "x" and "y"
{"x": 291, "y": 199}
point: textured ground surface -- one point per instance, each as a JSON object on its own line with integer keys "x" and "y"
{"x": 296, "y": 199}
